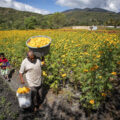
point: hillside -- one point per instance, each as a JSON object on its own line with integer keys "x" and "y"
{"x": 87, "y": 16}
{"x": 14, "y": 19}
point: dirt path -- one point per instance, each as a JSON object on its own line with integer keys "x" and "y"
{"x": 8, "y": 101}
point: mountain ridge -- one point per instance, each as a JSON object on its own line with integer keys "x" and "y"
{"x": 88, "y": 10}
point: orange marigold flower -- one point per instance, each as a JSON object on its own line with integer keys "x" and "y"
{"x": 95, "y": 67}
{"x": 92, "y": 102}
{"x": 92, "y": 69}
{"x": 100, "y": 52}
{"x": 104, "y": 94}
{"x": 114, "y": 73}
{"x": 118, "y": 63}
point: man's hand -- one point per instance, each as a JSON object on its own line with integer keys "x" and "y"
{"x": 21, "y": 78}
{"x": 22, "y": 82}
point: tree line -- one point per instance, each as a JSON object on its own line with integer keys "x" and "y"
{"x": 53, "y": 21}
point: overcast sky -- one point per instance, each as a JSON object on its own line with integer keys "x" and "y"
{"x": 50, "y": 6}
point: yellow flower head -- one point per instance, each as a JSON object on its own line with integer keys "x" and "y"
{"x": 100, "y": 77}
{"x": 64, "y": 75}
{"x": 98, "y": 56}
{"x": 44, "y": 73}
{"x": 42, "y": 62}
{"x": 73, "y": 65}
{"x": 85, "y": 70}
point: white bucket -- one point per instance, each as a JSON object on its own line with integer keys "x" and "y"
{"x": 24, "y": 99}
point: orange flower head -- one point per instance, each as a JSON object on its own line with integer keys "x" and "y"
{"x": 92, "y": 101}
{"x": 114, "y": 73}
{"x": 104, "y": 94}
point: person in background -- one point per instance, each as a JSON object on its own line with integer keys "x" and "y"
{"x": 31, "y": 66}
{"x": 4, "y": 65}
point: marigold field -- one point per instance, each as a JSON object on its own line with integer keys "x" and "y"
{"x": 88, "y": 61}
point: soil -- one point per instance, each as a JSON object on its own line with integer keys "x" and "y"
{"x": 8, "y": 103}
{"x": 55, "y": 107}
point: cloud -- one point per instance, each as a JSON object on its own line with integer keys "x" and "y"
{"x": 21, "y": 6}
{"x": 112, "y": 5}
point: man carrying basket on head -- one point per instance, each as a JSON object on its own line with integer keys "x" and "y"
{"x": 31, "y": 66}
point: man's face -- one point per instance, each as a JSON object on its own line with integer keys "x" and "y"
{"x": 32, "y": 57}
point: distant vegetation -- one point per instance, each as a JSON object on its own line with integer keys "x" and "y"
{"x": 13, "y": 19}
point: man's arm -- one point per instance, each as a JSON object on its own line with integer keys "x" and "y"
{"x": 21, "y": 72}
{"x": 21, "y": 78}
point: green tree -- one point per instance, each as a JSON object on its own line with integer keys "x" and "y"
{"x": 30, "y": 22}
{"x": 116, "y": 23}
{"x": 46, "y": 22}
{"x": 57, "y": 20}
{"x": 72, "y": 22}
